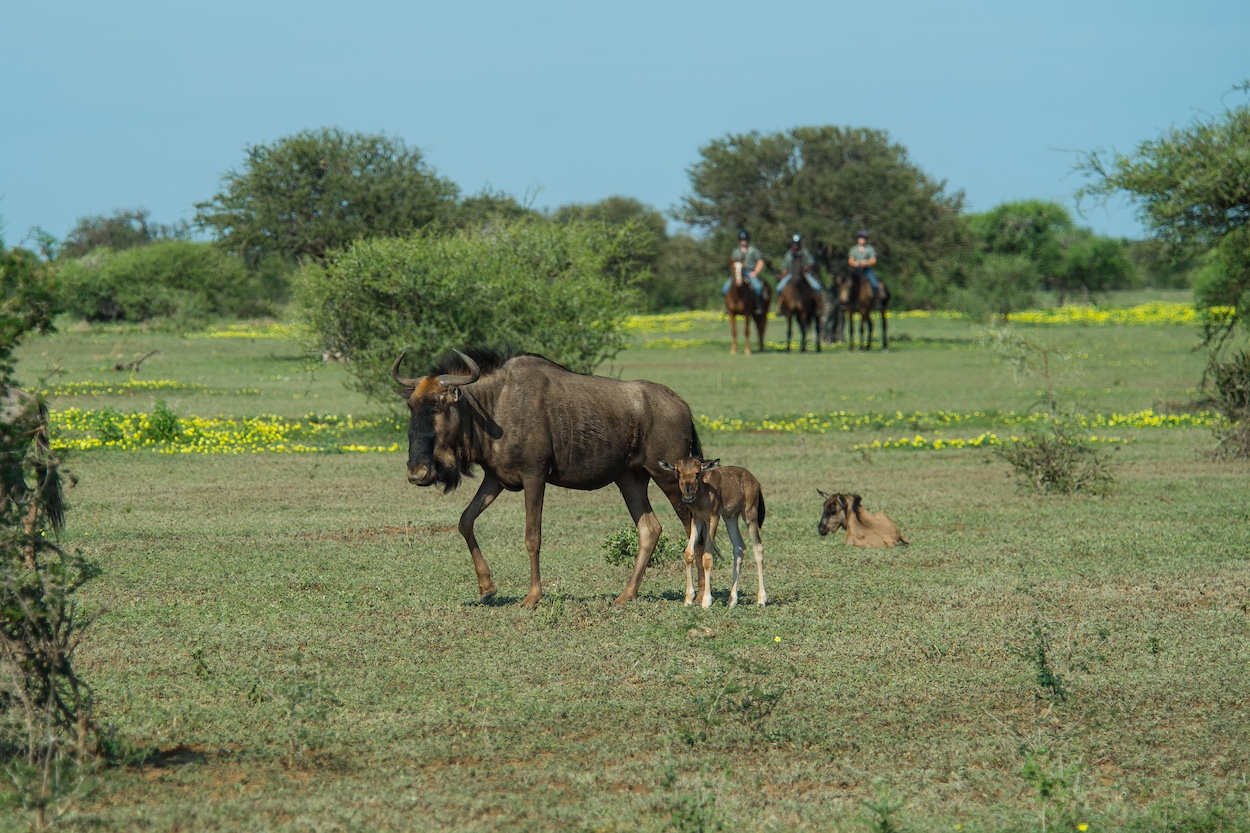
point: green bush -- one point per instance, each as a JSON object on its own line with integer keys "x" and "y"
{"x": 176, "y": 279}
{"x": 535, "y": 285}
{"x": 1229, "y": 381}
{"x": 1058, "y": 459}
{"x": 620, "y": 549}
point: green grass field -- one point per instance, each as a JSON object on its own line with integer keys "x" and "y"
{"x": 296, "y": 635}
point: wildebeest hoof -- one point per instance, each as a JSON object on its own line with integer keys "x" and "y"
{"x": 487, "y": 597}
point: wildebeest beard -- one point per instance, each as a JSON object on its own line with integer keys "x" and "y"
{"x": 450, "y": 463}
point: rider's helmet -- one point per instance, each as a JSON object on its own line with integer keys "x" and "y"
{"x": 742, "y": 234}
{"x": 796, "y": 239}
{"x": 862, "y": 233}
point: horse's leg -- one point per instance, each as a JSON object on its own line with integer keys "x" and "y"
{"x": 760, "y": 323}
{"x": 746, "y": 334}
{"x": 885, "y": 342}
{"x": 789, "y": 329}
{"x": 868, "y": 321}
{"x": 733, "y": 330}
{"x": 486, "y": 494}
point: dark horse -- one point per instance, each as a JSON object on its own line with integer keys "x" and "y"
{"x": 799, "y": 300}
{"x": 854, "y": 296}
{"x": 742, "y": 300}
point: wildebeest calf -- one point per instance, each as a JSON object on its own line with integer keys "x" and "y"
{"x": 713, "y": 492}
{"x": 863, "y": 528}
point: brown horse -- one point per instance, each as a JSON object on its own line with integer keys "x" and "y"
{"x": 855, "y": 296}
{"x": 799, "y": 301}
{"x": 742, "y": 300}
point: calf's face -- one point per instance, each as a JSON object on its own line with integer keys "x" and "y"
{"x": 836, "y": 508}
{"x": 689, "y": 471}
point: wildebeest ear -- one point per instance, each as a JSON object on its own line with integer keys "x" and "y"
{"x": 708, "y": 465}
{"x": 855, "y": 502}
{"x": 823, "y": 496}
{"x": 666, "y": 465}
{"x": 451, "y": 394}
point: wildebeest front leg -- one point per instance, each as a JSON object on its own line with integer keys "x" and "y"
{"x": 692, "y": 553}
{"x": 534, "y": 493}
{"x": 634, "y": 490}
{"x": 486, "y": 494}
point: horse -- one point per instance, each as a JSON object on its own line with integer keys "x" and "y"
{"x": 854, "y": 294}
{"x": 799, "y": 300}
{"x": 742, "y": 300}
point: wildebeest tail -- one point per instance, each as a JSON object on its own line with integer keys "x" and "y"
{"x": 51, "y": 493}
{"x": 696, "y": 447}
{"x": 759, "y": 509}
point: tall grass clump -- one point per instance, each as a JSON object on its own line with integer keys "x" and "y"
{"x": 1057, "y": 456}
{"x": 1229, "y": 382}
{"x": 47, "y": 730}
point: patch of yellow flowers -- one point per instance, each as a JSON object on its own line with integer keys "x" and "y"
{"x": 81, "y": 430}
{"x": 133, "y": 386}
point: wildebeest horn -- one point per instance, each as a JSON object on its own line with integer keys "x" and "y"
{"x": 475, "y": 373}
{"x": 410, "y": 384}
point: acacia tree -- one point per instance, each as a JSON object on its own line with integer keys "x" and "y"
{"x": 1191, "y": 187}
{"x": 826, "y": 183}
{"x": 322, "y": 189}
{"x": 125, "y": 229}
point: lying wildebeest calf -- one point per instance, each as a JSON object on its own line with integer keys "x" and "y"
{"x": 528, "y": 422}
{"x": 863, "y": 528}
{"x": 712, "y": 492}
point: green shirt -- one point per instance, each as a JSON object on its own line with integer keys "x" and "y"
{"x": 804, "y": 255}
{"x": 749, "y": 258}
{"x": 864, "y": 252}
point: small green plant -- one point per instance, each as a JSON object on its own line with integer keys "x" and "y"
{"x": 1056, "y": 785}
{"x": 884, "y": 809}
{"x": 620, "y": 549}
{"x": 1058, "y": 459}
{"x": 692, "y": 812}
{"x": 163, "y": 426}
{"x": 306, "y": 706}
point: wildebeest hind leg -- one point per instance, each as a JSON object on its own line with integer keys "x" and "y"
{"x": 634, "y": 490}
{"x": 486, "y": 494}
{"x": 535, "y": 490}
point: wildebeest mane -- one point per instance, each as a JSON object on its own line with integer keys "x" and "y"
{"x": 488, "y": 359}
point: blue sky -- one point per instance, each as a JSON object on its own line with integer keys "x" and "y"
{"x": 129, "y": 104}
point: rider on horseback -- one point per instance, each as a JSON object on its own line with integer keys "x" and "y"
{"x": 864, "y": 257}
{"x": 798, "y": 254}
{"x": 752, "y": 260}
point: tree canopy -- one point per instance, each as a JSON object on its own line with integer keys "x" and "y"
{"x": 1192, "y": 189}
{"x": 826, "y": 183}
{"x": 319, "y": 190}
{"x": 125, "y": 229}
{"x": 534, "y": 284}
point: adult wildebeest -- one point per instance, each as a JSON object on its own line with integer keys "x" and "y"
{"x": 715, "y": 492}
{"x": 855, "y": 296}
{"x": 23, "y": 437}
{"x": 529, "y": 422}
{"x": 741, "y": 300}
{"x": 799, "y": 301}
{"x": 863, "y": 528}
